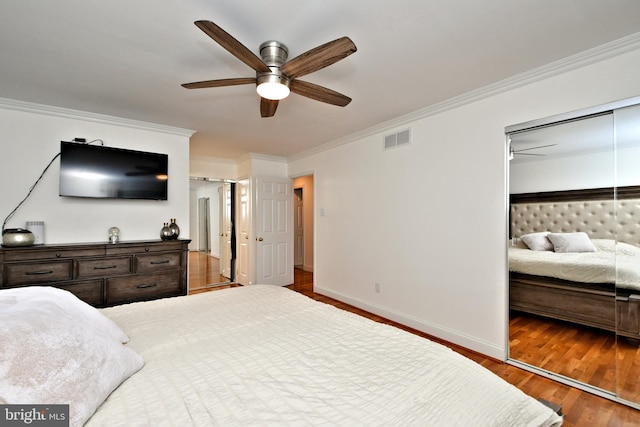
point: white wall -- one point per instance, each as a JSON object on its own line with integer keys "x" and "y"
{"x": 428, "y": 221}
{"x": 593, "y": 170}
{"x": 30, "y": 138}
{"x": 586, "y": 171}
{"x": 209, "y": 167}
{"x": 193, "y": 219}
{"x": 258, "y": 164}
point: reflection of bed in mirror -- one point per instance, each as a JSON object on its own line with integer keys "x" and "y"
{"x": 597, "y": 286}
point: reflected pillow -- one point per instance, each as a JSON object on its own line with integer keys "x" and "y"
{"x": 537, "y": 241}
{"x": 571, "y": 242}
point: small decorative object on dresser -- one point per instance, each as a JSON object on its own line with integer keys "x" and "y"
{"x": 16, "y": 237}
{"x": 175, "y": 230}
{"x": 114, "y": 235}
{"x": 165, "y": 232}
{"x": 37, "y": 228}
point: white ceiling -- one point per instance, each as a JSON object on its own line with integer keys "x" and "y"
{"x": 128, "y": 59}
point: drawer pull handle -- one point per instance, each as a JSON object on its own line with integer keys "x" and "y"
{"x": 106, "y": 267}
{"x": 159, "y": 262}
{"x": 38, "y": 273}
{"x": 143, "y": 286}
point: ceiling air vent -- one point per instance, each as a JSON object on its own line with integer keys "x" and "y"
{"x": 398, "y": 139}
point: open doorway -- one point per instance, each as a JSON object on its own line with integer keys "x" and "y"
{"x": 303, "y": 193}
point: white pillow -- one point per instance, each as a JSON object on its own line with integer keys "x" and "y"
{"x": 571, "y": 242}
{"x": 537, "y": 241}
{"x": 56, "y": 349}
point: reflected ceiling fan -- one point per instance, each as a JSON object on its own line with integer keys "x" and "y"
{"x": 141, "y": 170}
{"x": 275, "y": 76}
{"x": 513, "y": 153}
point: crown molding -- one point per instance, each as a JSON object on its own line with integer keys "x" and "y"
{"x": 30, "y": 107}
{"x": 258, "y": 156}
{"x": 579, "y": 60}
{"x": 211, "y": 159}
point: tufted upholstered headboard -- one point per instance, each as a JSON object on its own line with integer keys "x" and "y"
{"x": 593, "y": 211}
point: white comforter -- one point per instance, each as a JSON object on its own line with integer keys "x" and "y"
{"x": 613, "y": 262}
{"x": 265, "y": 355}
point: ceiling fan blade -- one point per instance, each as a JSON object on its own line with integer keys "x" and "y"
{"x": 319, "y": 93}
{"x": 268, "y": 107}
{"x": 234, "y": 47}
{"x": 535, "y": 148}
{"x": 319, "y": 57}
{"x": 220, "y": 83}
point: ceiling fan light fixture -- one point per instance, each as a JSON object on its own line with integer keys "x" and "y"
{"x": 273, "y": 86}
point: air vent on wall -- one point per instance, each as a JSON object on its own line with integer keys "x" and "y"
{"x": 397, "y": 139}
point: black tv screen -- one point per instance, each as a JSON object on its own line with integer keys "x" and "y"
{"x": 104, "y": 172}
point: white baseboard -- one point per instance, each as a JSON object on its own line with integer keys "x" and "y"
{"x": 438, "y": 331}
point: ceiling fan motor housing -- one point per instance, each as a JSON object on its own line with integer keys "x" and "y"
{"x": 274, "y": 54}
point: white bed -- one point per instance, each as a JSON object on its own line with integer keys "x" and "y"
{"x": 613, "y": 262}
{"x": 265, "y": 355}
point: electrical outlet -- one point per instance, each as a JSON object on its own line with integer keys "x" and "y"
{"x": 377, "y": 287}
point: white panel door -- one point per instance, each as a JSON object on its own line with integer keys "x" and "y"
{"x": 225, "y": 229}
{"x": 243, "y": 233}
{"x": 298, "y": 226}
{"x": 203, "y": 225}
{"x": 274, "y": 231}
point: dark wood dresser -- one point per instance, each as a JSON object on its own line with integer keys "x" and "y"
{"x": 102, "y": 274}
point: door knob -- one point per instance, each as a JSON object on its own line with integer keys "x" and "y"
{"x": 259, "y": 239}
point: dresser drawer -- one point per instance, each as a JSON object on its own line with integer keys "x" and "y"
{"x": 160, "y": 246}
{"x": 155, "y": 262}
{"x": 135, "y": 288}
{"x": 33, "y": 273}
{"x": 36, "y": 253}
{"x": 89, "y": 291}
{"x": 103, "y": 267}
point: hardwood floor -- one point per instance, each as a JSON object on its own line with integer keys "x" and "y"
{"x": 204, "y": 271}
{"x": 582, "y": 353}
{"x": 629, "y": 369}
{"x": 589, "y": 355}
{"x": 580, "y": 408}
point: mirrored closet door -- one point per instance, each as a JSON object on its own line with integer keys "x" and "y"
{"x": 627, "y": 138}
{"x": 574, "y": 249}
{"x": 212, "y": 254}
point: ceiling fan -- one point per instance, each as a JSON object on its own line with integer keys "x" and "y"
{"x": 275, "y": 76}
{"x": 513, "y": 153}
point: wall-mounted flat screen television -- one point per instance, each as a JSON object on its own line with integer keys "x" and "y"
{"x": 97, "y": 171}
